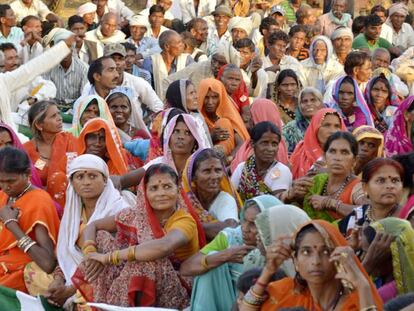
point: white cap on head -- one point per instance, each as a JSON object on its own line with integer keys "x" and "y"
{"x": 86, "y": 8}
{"x": 139, "y": 20}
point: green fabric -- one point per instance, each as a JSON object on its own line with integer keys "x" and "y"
{"x": 25, "y": 130}
{"x": 219, "y": 243}
{"x": 361, "y": 42}
{"x": 292, "y": 135}
{"x": 12, "y": 300}
{"x": 67, "y": 117}
{"x": 8, "y": 299}
{"x": 263, "y": 201}
{"x": 290, "y": 13}
{"x": 402, "y": 250}
{"x": 319, "y": 182}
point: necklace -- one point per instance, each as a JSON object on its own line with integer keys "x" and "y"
{"x": 13, "y": 200}
{"x": 370, "y": 213}
{"x": 335, "y": 195}
{"x": 290, "y": 113}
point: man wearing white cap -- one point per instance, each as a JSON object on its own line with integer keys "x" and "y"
{"x": 220, "y": 32}
{"x": 342, "y": 39}
{"x": 88, "y": 11}
{"x": 403, "y": 33}
{"x": 145, "y": 46}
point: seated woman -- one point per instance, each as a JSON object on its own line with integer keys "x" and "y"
{"x": 127, "y": 120}
{"x": 387, "y": 246}
{"x": 261, "y": 173}
{"x": 262, "y": 110}
{"x": 49, "y": 144}
{"x": 382, "y": 101}
{"x": 219, "y": 264}
{"x": 328, "y": 274}
{"x": 139, "y": 265}
{"x": 211, "y": 193}
{"x": 224, "y": 122}
{"x": 399, "y": 139}
{"x": 382, "y": 181}
{"x": 350, "y": 103}
{"x": 90, "y": 196}
{"x": 285, "y": 94}
{"x": 29, "y": 226}
{"x": 310, "y": 102}
{"x": 323, "y": 124}
{"x": 182, "y": 94}
{"x": 370, "y": 146}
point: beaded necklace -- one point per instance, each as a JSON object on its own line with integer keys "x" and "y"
{"x": 370, "y": 214}
{"x": 338, "y": 192}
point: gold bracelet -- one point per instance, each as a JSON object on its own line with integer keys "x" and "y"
{"x": 88, "y": 243}
{"x": 204, "y": 263}
{"x": 370, "y": 308}
{"x": 131, "y": 253}
{"x": 108, "y": 259}
{"x": 89, "y": 249}
{"x": 115, "y": 258}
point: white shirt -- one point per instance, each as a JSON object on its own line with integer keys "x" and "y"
{"x": 213, "y": 40}
{"x": 38, "y": 8}
{"x": 167, "y": 14}
{"x": 119, "y": 8}
{"x": 278, "y": 177}
{"x": 287, "y": 62}
{"x": 386, "y": 32}
{"x": 205, "y": 7}
{"x": 150, "y": 34}
{"x": 224, "y": 207}
{"x": 403, "y": 38}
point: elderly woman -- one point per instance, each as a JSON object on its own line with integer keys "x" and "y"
{"x": 139, "y": 266}
{"x": 321, "y": 67}
{"x": 328, "y": 274}
{"x": 219, "y": 264}
{"x": 310, "y": 102}
{"x": 29, "y": 226}
{"x": 211, "y": 192}
{"x": 90, "y": 196}
{"x": 370, "y": 146}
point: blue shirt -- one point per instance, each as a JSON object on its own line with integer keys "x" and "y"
{"x": 15, "y": 36}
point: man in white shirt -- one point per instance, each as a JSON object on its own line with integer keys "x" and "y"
{"x": 156, "y": 20}
{"x": 23, "y": 8}
{"x": 220, "y": 32}
{"x": 31, "y": 46}
{"x": 145, "y": 46}
{"x": 386, "y": 30}
{"x": 342, "y": 39}
{"x": 8, "y": 30}
{"x": 199, "y": 30}
{"x": 403, "y": 33}
{"x": 188, "y": 10}
{"x": 165, "y": 4}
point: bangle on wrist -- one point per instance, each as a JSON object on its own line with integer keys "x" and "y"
{"x": 261, "y": 284}
{"x": 5, "y": 223}
{"x": 204, "y": 263}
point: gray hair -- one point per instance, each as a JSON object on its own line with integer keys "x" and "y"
{"x": 378, "y": 50}
{"x": 313, "y": 91}
{"x": 165, "y": 38}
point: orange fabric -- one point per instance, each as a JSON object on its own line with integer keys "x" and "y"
{"x": 37, "y": 208}
{"x": 63, "y": 143}
{"x": 345, "y": 197}
{"x": 229, "y": 144}
{"x": 225, "y": 109}
{"x": 308, "y": 151}
{"x": 285, "y": 293}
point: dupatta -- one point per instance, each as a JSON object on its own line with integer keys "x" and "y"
{"x": 397, "y": 140}
{"x": 262, "y": 110}
{"x": 308, "y": 151}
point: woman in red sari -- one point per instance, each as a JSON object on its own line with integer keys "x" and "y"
{"x": 139, "y": 267}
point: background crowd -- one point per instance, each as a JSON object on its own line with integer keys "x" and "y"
{"x": 207, "y": 155}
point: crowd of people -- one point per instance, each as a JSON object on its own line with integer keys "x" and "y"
{"x": 208, "y": 155}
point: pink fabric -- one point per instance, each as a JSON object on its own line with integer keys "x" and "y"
{"x": 262, "y": 110}
{"x": 397, "y": 140}
{"x": 408, "y": 208}
{"x": 388, "y": 291}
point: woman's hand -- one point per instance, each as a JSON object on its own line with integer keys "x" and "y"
{"x": 316, "y": 201}
{"x": 237, "y": 253}
{"x": 318, "y": 167}
{"x": 300, "y": 188}
{"x": 58, "y": 293}
{"x": 219, "y": 134}
{"x": 378, "y": 252}
{"x": 94, "y": 265}
{"x": 279, "y": 251}
{"x": 8, "y": 212}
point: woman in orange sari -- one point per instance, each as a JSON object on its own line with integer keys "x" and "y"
{"x": 226, "y": 126}
{"x": 29, "y": 224}
{"x": 328, "y": 274}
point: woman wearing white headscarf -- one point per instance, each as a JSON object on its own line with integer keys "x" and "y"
{"x": 90, "y": 195}
{"x": 321, "y": 66}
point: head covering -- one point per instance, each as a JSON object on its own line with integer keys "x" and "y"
{"x": 168, "y": 131}
{"x": 225, "y": 109}
{"x": 114, "y": 48}
{"x": 402, "y": 250}
{"x": 366, "y": 131}
{"x": 117, "y": 163}
{"x": 34, "y": 179}
{"x": 301, "y": 122}
{"x": 308, "y": 151}
{"x": 342, "y": 31}
{"x": 139, "y": 20}
{"x": 223, "y": 9}
{"x": 329, "y": 49}
{"x": 56, "y": 35}
{"x": 244, "y": 23}
{"x": 359, "y": 102}
{"x": 397, "y": 140}
{"x": 279, "y": 220}
{"x": 263, "y": 202}
{"x": 399, "y": 8}
{"x": 109, "y": 203}
{"x": 86, "y": 8}
{"x": 408, "y": 208}
{"x": 176, "y": 95}
{"x": 277, "y": 9}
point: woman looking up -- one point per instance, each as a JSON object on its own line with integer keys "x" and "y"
{"x": 370, "y": 146}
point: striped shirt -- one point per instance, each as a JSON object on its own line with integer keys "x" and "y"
{"x": 70, "y": 83}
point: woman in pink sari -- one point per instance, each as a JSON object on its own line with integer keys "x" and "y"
{"x": 399, "y": 138}
{"x": 262, "y": 110}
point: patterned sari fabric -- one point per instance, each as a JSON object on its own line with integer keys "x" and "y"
{"x": 402, "y": 250}
{"x": 251, "y": 184}
{"x": 188, "y": 186}
{"x": 158, "y": 281}
{"x": 397, "y": 140}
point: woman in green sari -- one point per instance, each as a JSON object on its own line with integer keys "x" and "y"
{"x": 220, "y": 263}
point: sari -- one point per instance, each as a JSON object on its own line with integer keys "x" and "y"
{"x": 84, "y": 102}
{"x": 158, "y": 280}
{"x": 362, "y": 113}
{"x": 189, "y": 188}
{"x": 262, "y": 110}
{"x": 217, "y": 287}
{"x": 308, "y": 151}
{"x": 15, "y": 142}
{"x": 382, "y": 120}
{"x": 228, "y": 116}
{"x": 287, "y": 293}
{"x": 408, "y": 209}
{"x": 402, "y": 251}
{"x": 319, "y": 182}
{"x": 397, "y": 140}
{"x": 36, "y": 209}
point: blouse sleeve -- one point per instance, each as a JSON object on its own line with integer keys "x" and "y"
{"x": 218, "y": 244}
{"x": 185, "y": 224}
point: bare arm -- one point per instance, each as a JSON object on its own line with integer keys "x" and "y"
{"x": 89, "y": 233}
{"x": 212, "y": 229}
{"x": 132, "y": 179}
